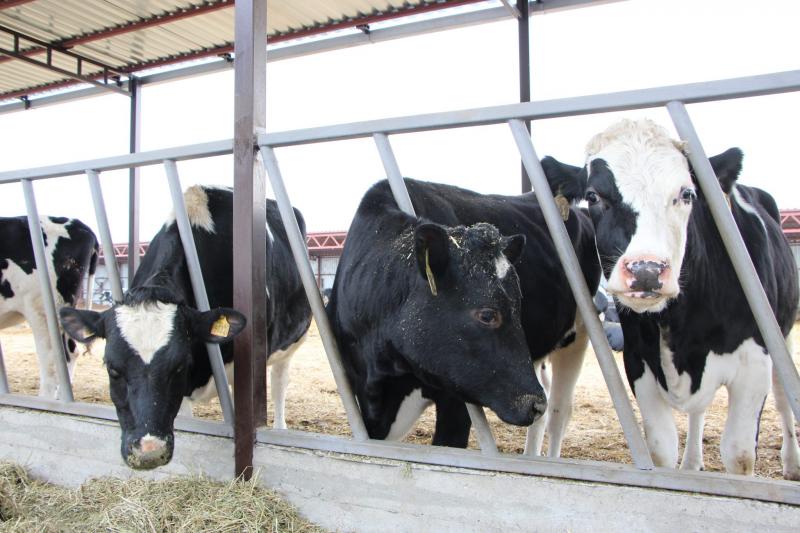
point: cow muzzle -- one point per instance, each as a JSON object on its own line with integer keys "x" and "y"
{"x": 149, "y": 452}
{"x": 526, "y": 409}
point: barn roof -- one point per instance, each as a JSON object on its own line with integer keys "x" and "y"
{"x": 50, "y": 44}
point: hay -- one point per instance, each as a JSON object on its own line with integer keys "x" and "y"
{"x": 181, "y": 504}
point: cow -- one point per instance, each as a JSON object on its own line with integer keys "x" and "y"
{"x": 71, "y": 252}
{"x": 688, "y": 329}
{"x": 448, "y": 307}
{"x": 155, "y": 349}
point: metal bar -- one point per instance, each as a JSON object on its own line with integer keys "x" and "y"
{"x": 78, "y": 76}
{"x": 476, "y": 413}
{"x": 572, "y": 269}
{"x": 105, "y": 234}
{"x": 134, "y": 188}
{"x": 524, "y": 53}
{"x": 737, "y": 251}
{"x": 3, "y": 376}
{"x": 42, "y": 270}
{"x": 398, "y": 186}
{"x": 775, "y": 83}
{"x": 299, "y": 251}
{"x": 715, "y": 483}
{"x": 250, "y": 347}
{"x": 198, "y": 286}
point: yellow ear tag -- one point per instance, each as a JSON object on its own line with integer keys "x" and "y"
{"x": 429, "y": 273}
{"x": 221, "y": 327}
{"x": 563, "y": 206}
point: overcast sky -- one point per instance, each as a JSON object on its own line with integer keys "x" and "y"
{"x": 619, "y": 46}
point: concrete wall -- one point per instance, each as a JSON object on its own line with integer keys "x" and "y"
{"x": 351, "y": 493}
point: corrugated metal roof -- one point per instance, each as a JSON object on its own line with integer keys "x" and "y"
{"x": 130, "y": 35}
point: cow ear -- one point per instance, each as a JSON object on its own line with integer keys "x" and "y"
{"x": 218, "y": 325}
{"x": 513, "y": 247}
{"x": 565, "y": 180}
{"x": 727, "y": 167}
{"x": 83, "y": 326}
{"x": 431, "y": 248}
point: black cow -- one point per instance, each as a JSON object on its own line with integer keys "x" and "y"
{"x": 406, "y": 345}
{"x": 687, "y": 326}
{"x": 71, "y": 251}
{"x": 155, "y": 352}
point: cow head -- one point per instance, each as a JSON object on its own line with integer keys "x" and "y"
{"x": 148, "y": 356}
{"x": 640, "y": 191}
{"x": 460, "y": 326}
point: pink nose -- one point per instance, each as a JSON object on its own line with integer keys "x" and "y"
{"x": 644, "y": 273}
{"x": 151, "y": 444}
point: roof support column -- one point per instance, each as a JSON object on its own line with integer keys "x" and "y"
{"x": 133, "y": 179}
{"x": 249, "y": 227}
{"x": 523, "y": 34}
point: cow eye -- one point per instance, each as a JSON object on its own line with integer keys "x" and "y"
{"x": 592, "y": 197}
{"x": 179, "y": 369}
{"x": 688, "y": 195}
{"x": 488, "y": 317}
{"x": 113, "y": 373}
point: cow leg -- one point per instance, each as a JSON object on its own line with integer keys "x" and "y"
{"x": 45, "y": 354}
{"x": 747, "y": 392}
{"x": 693, "y": 452}
{"x": 535, "y": 434}
{"x": 790, "y": 452}
{"x": 659, "y": 424}
{"x": 567, "y": 363}
{"x": 452, "y": 422}
{"x": 278, "y": 383}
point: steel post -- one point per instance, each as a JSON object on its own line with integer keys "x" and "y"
{"x": 249, "y": 225}
{"x": 198, "y": 286}
{"x": 300, "y": 253}
{"x": 737, "y": 251}
{"x": 524, "y": 46}
{"x": 133, "y": 178}
{"x": 476, "y": 413}
{"x": 105, "y": 234}
{"x": 572, "y": 269}
{"x": 56, "y": 343}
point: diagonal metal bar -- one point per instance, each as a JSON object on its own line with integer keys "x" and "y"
{"x": 3, "y": 376}
{"x": 566, "y": 253}
{"x": 105, "y": 234}
{"x": 476, "y": 413}
{"x": 198, "y": 286}
{"x": 298, "y": 246}
{"x": 57, "y": 345}
{"x": 737, "y": 251}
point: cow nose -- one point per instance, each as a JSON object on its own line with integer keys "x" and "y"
{"x": 644, "y": 274}
{"x": 539, "y": 408}
{"x": 151, "y": 444}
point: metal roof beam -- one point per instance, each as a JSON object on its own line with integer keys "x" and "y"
{"x": 5, "y": 4}
{"x": 17, "y": 53}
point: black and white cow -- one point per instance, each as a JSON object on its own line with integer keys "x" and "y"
{"x": 71, "y": 251}
{"x": 497, "y": 307}
{"x": 687, "y": 326}
{"x": 155, "y": 352}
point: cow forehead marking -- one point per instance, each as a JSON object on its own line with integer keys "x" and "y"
{"x": 146, "y": 328}
{"x": 502, "y": 265}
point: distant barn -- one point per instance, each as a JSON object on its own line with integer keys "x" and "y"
{"x": 324, "y": 250}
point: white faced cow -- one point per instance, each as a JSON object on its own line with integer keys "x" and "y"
{"x": 687, "y": 326}
{"x": 155, "y": 339}
{"x": 71, "y": 252}
{"x": 497, "y": 308}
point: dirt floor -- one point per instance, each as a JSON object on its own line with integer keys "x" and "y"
{"x": 313, "y": 404}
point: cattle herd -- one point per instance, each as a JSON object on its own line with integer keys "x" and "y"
{"x": 466, "y": 302}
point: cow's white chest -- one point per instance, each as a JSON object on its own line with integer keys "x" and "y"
{"x": 410, "y": 410}
{"x": 720, "y": 370}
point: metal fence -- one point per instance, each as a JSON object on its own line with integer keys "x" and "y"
{"x": 642, "y": 473}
